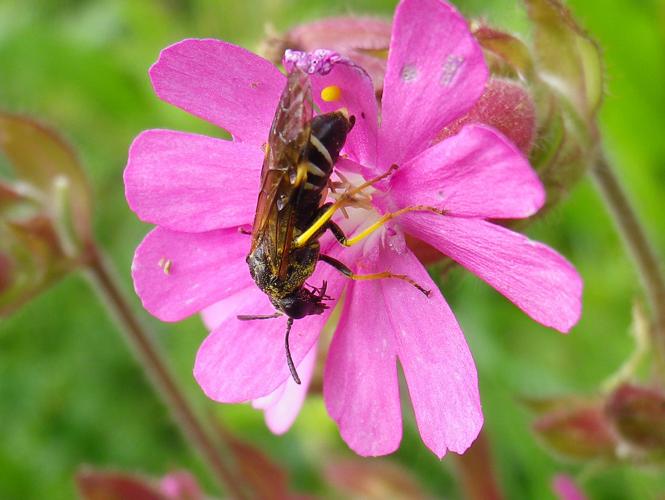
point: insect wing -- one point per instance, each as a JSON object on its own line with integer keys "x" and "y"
{"x": 287, "y": 142}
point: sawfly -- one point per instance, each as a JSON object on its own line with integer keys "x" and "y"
{"x": 292, "y": 213}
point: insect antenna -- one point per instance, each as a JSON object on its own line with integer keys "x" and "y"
{"x": 289, "y": 360}
{"x": 250, "y": 317}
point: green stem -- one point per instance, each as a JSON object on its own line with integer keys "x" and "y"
{"x": 635, "y": 238}
{"x": 215, "y": 453}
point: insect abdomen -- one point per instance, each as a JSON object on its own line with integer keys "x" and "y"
{"x": 329, "y": 133}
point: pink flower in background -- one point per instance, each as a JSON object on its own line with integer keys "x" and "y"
{"x": 565, "y": 488}
{"x": 199, "y": 190}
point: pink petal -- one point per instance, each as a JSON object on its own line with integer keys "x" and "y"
{"x": 357, "y": 96}
{"x": 245, "y": 299}
{"x": 221, "y": 83}
{"x": 437, "y": 364}
{"x": 565, "y": 488}
{"x": 180, "y": 485}
{"x": 348, "y": 165}
{"x": 533, "y": 276}
{"x": 178, "y": 274}
{"x": 476, "y": 173}
{"x": 435, "y": 74}
{"x": 284, "y": 403}
{"x": 244, "y": 360}
{"x": 265, "y": 402}
{"x": 360, "y": 380}
{"x": 283, "y": 412}
{"x": 192, "y": 183}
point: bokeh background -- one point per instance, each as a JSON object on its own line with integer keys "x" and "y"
{"x": 70, "y": 393}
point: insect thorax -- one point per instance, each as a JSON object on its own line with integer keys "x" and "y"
{"x": 302, "y": 262}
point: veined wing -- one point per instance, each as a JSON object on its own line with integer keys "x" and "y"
{"x": 287, "y": 142}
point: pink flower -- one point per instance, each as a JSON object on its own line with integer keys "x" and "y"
{"x": 199, "y": 190}
{"x": 565, "y": 488}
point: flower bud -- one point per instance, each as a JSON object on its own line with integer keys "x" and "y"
{"x": 575, "y": 429}
{"x": 566, "y": 58}
{"x": 506, "y": 106}
{"x": 638, "y": 415}
{"x": 96, "y": 484}
{"x": 568, "y": 90}
{"x": 563, "y": 72}
{"x": 377, "y": 479}
{"x": 506, "y": 55}
{"x": 44, "y": 211}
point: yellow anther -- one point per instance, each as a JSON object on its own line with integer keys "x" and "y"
{"x": 331, "y": 93}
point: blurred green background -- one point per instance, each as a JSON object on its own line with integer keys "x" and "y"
{"x": 69, "y": 391}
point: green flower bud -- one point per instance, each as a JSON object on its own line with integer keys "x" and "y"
{"x": 45, "y": 207}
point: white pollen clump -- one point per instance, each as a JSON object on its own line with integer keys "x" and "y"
{"x": 450, "y": 69}
{"x": 409, "y": 73}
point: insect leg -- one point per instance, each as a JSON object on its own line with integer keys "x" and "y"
{"x": 249, "y": 317}
{"x": 343, "y": 201}
{"x": 289, "y": 324}
{"x": 342, "y": 268}
{"x": 347, "y": 242}
{"x": 289, "y": 360}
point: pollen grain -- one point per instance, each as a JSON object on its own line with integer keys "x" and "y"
{"x": 331, "y": 93}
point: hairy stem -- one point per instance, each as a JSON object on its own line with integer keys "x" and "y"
{"x": 635, "y": 238}
{"x": 214, "y": 452}
{"x": 476, "y": 472}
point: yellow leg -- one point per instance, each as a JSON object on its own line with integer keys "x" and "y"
{"x": 366, "y": 232}
{"x": 388, "y": 274}
{"x": 304, "y": 238}
{"x": 342, "y": 268}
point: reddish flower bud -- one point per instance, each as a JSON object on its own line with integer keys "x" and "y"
{"x": 506, "y": 106}
{"x": 563, "y": 72}
{"x": 373, "y": 480}
{"x": 576, "y": 429}
{"x": 103, "y": 485}
{"x": 638, "y": 415}
{"x": 112, "y": 485}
